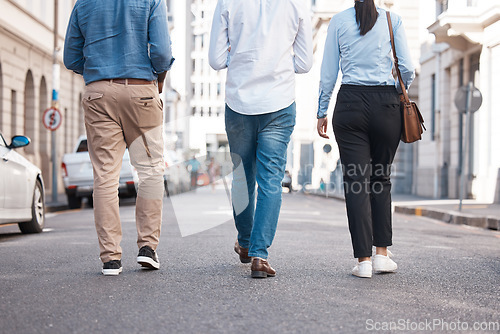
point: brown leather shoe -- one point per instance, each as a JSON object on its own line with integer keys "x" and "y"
{"x": 242, "y": 252}
{"x": 261, "y": 268}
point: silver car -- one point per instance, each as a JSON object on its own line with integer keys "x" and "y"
{"x": 21, "y": 188}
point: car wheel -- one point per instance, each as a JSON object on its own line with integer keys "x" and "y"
{"x": 37, "y": 212}
{"x": 74, "y": 202}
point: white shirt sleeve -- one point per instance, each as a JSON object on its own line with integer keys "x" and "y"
{"x": 303, "y": 46}
{"x": 218, "y": 54}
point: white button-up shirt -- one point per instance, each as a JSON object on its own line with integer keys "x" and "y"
{"x": 269, "y": 41}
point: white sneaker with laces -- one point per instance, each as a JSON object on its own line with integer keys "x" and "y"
{"x": 384, "y": 264}
{"x": 363, "y": 269}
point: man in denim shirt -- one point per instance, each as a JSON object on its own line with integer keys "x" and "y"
{"x": 263, "y": 43}
{"x": 122, "y": 49}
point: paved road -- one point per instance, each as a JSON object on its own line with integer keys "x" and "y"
{"x": 51, "y": 283}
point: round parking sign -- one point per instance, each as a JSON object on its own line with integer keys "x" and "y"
{"x": 52, "y": 119}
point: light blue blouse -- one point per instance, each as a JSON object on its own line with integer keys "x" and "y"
{"x": 364, "y": 60}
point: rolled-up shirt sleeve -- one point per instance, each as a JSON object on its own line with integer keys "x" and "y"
{"x": 403, "y": 53}
{"x": 73, "y": 45}
{"x": 218, "y": 53}
{"x": 329, "y": 70}
{"x": 303, "y": 45}
{"x": 160, "y": 45}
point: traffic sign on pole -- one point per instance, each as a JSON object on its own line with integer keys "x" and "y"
{"x": 52, "y": 119}
{"x": 468, "y": 94}
{"x": 468, "y": 100}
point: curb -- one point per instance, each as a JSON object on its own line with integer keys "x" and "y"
{"x": 451, "y": 217}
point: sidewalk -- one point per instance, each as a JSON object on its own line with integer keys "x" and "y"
{"x": 474, "y": 213}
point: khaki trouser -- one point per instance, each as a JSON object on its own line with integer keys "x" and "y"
{"x": 119, "y": 116}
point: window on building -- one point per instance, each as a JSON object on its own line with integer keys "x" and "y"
{"x": 218, "y": 89}
{"x": 169, "y": 10}
{"x": 1, "y": 95}
{"x": 433, "y": 107}
{"x": 441, "y": 6}
{"x": 474, "y": 67}
{"x": 13, "y": 112}
{"x": 461, "y": 73}
{"x": 193, "y": 110}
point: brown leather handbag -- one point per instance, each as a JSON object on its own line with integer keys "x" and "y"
{"x": 413, "y": 122}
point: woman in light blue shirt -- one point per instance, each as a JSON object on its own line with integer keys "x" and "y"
{"x": 366, "y": 122}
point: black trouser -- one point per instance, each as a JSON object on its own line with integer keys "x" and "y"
{"x": 367, "y": 127}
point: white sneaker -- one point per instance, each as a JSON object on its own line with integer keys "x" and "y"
{"x": 384, "y": 264}
{"x": 363, "y": 269}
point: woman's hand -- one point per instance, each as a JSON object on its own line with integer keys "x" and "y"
{"x": 322, "y": 127}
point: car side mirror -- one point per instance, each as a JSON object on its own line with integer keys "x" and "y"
{"x": 19, "y": 141}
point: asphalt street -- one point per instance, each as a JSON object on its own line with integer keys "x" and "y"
{"x": 51, "y": 282}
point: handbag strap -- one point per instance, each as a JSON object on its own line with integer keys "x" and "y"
{"x": 396, "y": 63}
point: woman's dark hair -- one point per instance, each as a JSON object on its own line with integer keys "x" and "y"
{"x": 366, "y": 15}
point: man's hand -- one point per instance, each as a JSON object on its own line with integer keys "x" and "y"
{"x": 322, "y": 127}
{"x": 161, "y": 78}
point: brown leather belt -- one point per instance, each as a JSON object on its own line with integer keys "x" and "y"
{"x": 130, "y": 81}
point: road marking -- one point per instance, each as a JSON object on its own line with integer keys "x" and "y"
{"x": 221, "y": 212}
{"x": 302, "y": 220}
{"x": 48, "y": 229}
{"x": 303, "y": 212}
{"x": 439, "y": 247}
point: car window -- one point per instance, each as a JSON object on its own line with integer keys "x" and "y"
{"x": 83, "y": 146}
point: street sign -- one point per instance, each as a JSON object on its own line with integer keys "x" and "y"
{"x": 52, "y": 119}
{"x": 476, "y": 99}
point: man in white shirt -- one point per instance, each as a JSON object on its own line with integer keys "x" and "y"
{"x": 263, "y": 43}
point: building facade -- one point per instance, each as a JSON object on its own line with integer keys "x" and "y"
{"x": 26, "y": 57}
{"x": 196, "y": 124}
{"x": 466, "y": 49}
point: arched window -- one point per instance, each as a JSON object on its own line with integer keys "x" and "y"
{"x": 30, "y": 125}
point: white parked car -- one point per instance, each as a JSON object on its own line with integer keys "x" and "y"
{"x": 78, "y": 175}
{"x": 21, "y": 188}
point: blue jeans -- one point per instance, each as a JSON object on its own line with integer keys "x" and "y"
{"x": 258, "y": 145}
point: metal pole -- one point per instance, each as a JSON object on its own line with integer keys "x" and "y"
{"x": 55, "y": 99}
{"x": 465, "y": 155}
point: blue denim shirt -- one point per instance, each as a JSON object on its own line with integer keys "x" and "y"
{"x": 364, "y": 60}
{"x": 111, "y": 39}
